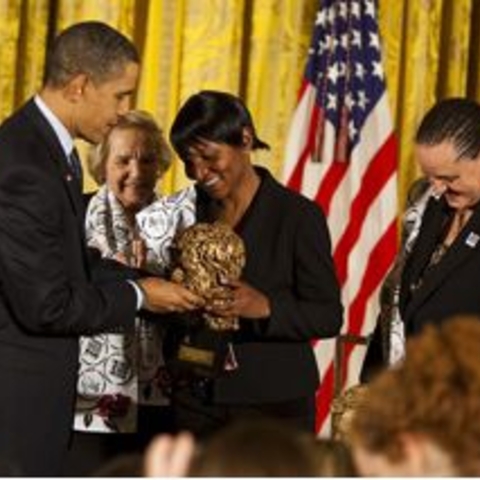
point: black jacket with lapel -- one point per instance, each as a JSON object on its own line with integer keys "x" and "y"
{"x": 289, "y": 259}
{"x": 451, "y": 287}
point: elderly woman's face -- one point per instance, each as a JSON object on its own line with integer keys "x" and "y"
{"x": 457, "y": 179}
{"x": 131, "y": 170}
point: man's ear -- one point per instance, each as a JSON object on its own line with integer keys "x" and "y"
{"x": 247, "y": 138}
{"x": 75, "y": 87}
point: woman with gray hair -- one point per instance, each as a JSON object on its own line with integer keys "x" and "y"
{"x": 121, "y": 381}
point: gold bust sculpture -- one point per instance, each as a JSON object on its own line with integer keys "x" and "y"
{"x": 204, "y": 254}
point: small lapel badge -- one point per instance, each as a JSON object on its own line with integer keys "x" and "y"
{"x": 68, "y": 177}
{"x": 472, "y": 239}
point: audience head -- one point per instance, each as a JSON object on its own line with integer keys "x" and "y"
{"x": 333, "y": 459}
{"x": 256, "y": 447}
{"x": 419, "y": 419}
{"x": 91, "y": 73}
{"x": 130, "y": 160}
{"x": 448, "y": 150}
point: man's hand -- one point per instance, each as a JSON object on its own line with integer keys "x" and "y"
{"x": 162, "y": 296}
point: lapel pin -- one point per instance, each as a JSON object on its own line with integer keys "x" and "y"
{"x": 472, "y": 240}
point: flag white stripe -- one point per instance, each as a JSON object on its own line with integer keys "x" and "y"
{"x": 298, "y": 134}
{"x": 375, "y": 133}
{"x": 384, "y": 208}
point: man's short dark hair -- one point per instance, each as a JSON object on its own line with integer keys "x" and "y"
{"x": 92, "y": 48}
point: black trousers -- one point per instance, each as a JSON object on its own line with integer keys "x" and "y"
{"x": 195, "y": 411}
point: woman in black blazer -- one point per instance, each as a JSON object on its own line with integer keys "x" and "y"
{"x": 442, "y": 273}
{"x": 288, "y": 294}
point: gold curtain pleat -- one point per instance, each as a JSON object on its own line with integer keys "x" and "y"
{"x": 473, "y": 86}
{"x": 191, "y": 45}
{"x": 161, "y": 62}
{"x": 9, "y": 35}
{"x": 391, "y": 19}
{"x": 23, "y": 34}
{"x": 454, "y": 51}
{"x": 280, "y": 36}
{"x": 117, "y": 13}
{"x": 416, "y": 79}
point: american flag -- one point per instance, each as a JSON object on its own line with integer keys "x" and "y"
{"x": 341, "y": 152}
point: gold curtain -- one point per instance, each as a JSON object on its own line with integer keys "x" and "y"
{"x": 254, "y": 48}
{"x": 23, "y": 37}
{"x": 190, "y": 45}
{"x": 428, "y": 55}
{"x": 279, "y": 36}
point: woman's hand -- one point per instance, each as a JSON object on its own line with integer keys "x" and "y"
{"x": 242, "y": 300}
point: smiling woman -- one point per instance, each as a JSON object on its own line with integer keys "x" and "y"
{"x": 445, "y": 261}
{"x": 287, "y": 295}
{"x": 131, "y": 160}
{"x": 121, "y": 386}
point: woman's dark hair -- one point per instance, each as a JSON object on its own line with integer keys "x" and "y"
{"x": 455, "y": 120}
{"x": 212, "y": 116}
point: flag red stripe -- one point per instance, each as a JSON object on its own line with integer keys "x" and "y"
{"x": 380, "y": 169}
{"x": 329, "y": 184}
{"x": 324, "y": 397}
{"x": 380, "y": 261}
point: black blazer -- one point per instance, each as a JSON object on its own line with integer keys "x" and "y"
{"x": 452, "y": 286}
{"x": 289, "y": 260}
{"x": 47, "y": 298}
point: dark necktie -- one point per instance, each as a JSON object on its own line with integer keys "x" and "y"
{"x": 76, "y": 165}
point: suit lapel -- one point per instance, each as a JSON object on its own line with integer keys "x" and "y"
{"x": 432, "y": 224}
{"x": 465, "y": 245}
{"x": 69, "y": 180}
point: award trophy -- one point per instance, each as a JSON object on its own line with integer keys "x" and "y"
{"x": 204, "y": 254}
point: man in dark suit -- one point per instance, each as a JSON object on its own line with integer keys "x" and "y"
{"x": 51, "y": 288}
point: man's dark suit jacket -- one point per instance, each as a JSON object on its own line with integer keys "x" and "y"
{"x": 289, "y": 259}
{"x": 451, "y": 287}
{"x": 47, "y": 298}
